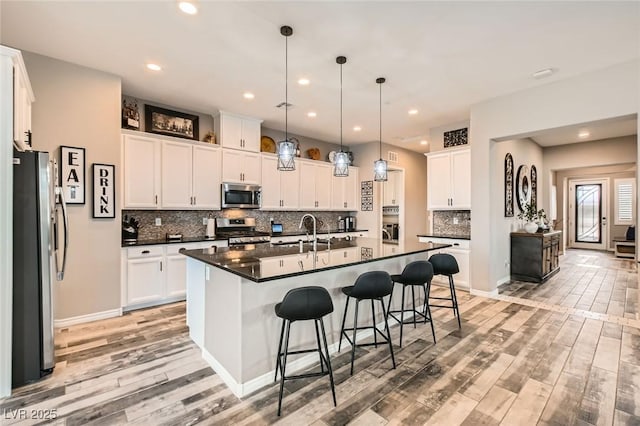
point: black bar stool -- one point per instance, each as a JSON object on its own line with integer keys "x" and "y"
{"x": 372, "y": 286}
{"x": 302, "y": 304}
{"x": 418, "y": 273}
{"x": 446, "y": 264}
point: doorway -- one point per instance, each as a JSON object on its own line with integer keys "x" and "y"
{"x": 588, "y": 204}
{"x": 393, "y": 207}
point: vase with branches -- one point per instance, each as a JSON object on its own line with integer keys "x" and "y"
{"x": 533, "y": 218}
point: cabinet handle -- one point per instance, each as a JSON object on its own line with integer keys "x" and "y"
{"x": 456, "y": 244}
{"x": 156, "y": 199}
{"x": 194, "y": 200}
{"x": 161, "y": 266}
{"x": 145, "y": 252}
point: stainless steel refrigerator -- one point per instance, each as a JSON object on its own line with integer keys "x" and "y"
{"x": 35, "y": 257}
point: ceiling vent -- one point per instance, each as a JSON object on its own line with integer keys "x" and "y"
{"x": 392, "y": 156}
{"x": 282, "y": 104}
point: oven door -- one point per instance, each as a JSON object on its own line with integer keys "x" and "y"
{"x": 240, "y": 196}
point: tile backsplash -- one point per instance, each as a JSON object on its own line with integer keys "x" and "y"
{"x": 189, "y": 222}
{"x": 443, "y": 222}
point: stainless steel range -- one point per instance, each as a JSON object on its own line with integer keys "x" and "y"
{"x": 241, "y": 231}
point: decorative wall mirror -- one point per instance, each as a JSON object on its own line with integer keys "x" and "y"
{"x": 523, "y": 187}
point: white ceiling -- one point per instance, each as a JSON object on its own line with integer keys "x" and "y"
{"x": 438, "y": 57}
{"x": 604, "y": 129}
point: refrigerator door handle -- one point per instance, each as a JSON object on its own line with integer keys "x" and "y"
{"x": 65, "y": 220}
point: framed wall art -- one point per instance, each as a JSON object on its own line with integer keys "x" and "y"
{"x": 104, "y": 191}
{"x": 170, "y": 123}
{"x": 72, "y": 169}
{"x": 366, "y": 195}
{"x": 508, "y": 185}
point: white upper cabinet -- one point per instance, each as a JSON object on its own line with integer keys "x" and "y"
{"x": 449, "y": 180}
{"x": 238, "y": 132}
{"x": 344, "y": 194}
{"x": 177, "y": 171}
{"x": 22, "y": 98}
{"x": 141, "y": 170}
{"x": 170, "y": 174}
{"x": 315, "y": 185}
{"x": 280, "y": 189}
{"x": 391, "y": 189}
{"x": 240, "y": 166}
{"x": 207, "y": 177}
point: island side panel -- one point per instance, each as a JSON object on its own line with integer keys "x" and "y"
{"x": 195, "y": 300}
{"x": 223, "y": 325}
{"x": 261, "y": 327}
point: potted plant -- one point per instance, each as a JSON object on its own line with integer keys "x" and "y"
{"x": 534, "y": 218}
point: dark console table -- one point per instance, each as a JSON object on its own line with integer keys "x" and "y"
{"x": 534, "y": 257}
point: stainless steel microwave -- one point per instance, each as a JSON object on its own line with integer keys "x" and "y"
{"x": 239, "y": 196}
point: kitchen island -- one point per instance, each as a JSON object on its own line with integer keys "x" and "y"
{"x": 231, "y": 294}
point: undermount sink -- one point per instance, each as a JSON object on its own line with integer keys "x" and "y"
{"x": 305, "y": 244}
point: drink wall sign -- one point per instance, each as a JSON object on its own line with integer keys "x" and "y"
{"x": 72, "y": 169}
{"x": 104, "y": 193}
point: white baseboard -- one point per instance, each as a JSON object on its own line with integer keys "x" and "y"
{"x": 503, "y": 280}
{"x": 66, "y": 322}
{"x": 490, "y": 294}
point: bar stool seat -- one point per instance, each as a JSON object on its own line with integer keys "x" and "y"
{"x": 303, "y": 304}
{"x": 414, "y": 274}
{"x": 373, "y": 285}
{"x": 445, "y": 264}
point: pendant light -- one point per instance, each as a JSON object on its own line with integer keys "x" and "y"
{"x": 341, "y": 159}
{"x": 380, "y": 166}
{"x": 286, "y": 148}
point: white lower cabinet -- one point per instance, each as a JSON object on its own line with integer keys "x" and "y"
{"x": 460, "y": 250}
{"x": 153, "y": 275}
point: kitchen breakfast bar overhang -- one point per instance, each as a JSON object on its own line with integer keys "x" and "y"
{"x": 231, "y": 295}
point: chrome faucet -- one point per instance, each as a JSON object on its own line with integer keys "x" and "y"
{"x": 315, "y": 237}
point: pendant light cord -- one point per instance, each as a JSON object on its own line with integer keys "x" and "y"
{"x": 380, "y": 120}
{"x": 340, "y": 107}
{"x": 286, "y": 88}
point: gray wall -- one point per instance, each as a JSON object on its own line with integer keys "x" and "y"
{"x": 80, "y": 107}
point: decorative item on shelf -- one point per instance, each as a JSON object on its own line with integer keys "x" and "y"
{"x": 313, "y": 153}
{"x": 534, "y": 218}
{"x": 286, "y": 149}
{"x": 455, "y": 138}
{"x": 130, "y": 114}
{"x": 380, "y": 166}
{"x": 267, "y": 145}
{"x": 210, "y": 137}
{"x": 341, "y": 158}
{"x": 170, "y": 123}
{"x": 508, "y": 185}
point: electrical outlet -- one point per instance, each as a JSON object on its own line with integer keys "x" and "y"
{"x": 455, "y": 221}
{"x": 204, "y": 220}
{"x": 158, "y": 221}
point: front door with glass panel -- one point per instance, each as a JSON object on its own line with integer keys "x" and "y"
{"x": 587, "y": 214}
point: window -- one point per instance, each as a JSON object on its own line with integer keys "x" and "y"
{"x": 625, "y": 201}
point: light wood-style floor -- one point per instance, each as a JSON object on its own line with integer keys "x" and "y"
{"x": 538, "y": 356}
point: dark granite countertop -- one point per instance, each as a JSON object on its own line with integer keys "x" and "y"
{"x": 319, "y": 232}
{"x": 267, "y": 263}
{"x": 165, "y": 241}
{"x": 449, "y": 236}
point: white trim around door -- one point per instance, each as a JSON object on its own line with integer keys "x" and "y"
{"x": 590, "y": 213}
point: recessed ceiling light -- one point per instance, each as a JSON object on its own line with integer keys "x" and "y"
{"x": 248, "y": 95}
{"x": 188, "y": 7}
{"x": 303, "y": 82}
{"x": 311, "y": 114}
{"x": 423, "y": 142}
{"x": 154, "y": 67}
{"x": 357, "y": 128}
{"x": 413, "y": 111}
{"x": 543, "y": 73}
{"x": 584, "y": 134}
